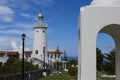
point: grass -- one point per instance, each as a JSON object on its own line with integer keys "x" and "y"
{"x": 103, "y": 78}
{"x": 63, "y": 76}
{"x": 107, "y": 78}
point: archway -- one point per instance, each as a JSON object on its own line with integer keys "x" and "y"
{"x": 105, "y": 56}
{"x": 114, "y": 31}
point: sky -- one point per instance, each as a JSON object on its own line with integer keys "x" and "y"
{"x": 17, "y": 17}
{"x": 105, "y": 43}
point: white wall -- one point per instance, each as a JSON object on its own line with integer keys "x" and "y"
{"x": 4, "y": 58}
{"x": 40, "y": 41}
{"x": 92, "y": 20}
{"x": 53, "y": 59}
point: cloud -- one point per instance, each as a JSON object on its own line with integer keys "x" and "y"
{"x": 108, "y": 47}
{"x": 44, "y": 3}
{"x": 25, "y": 15}
{"x": 2, "y": 27}
{"x": 16, "y": 4}
{"x": 14, "y": 46}
{"x": 6, "y": 14}
{"x": 24, "y": 25}
{"x": 13, "y": 31}
{"x": 6, "y": 18}
{"x": 18, "y": 29}
{"x": 5, "y": 10}
{"x": 2, "y": 40}
{"x": 3, "y": 2}
{"x": 5, "y": 42}
{"x": 29, "y": 33}
{"x": 10, "y": 42}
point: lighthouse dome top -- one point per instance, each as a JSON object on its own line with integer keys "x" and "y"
{"x": 40, "y": 16}
{"x": 106, "y": 3}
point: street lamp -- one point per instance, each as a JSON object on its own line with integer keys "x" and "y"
{"x": 44, "y": 72}
{"x": 23, "y": 38}
{"x": 44, "y": 57}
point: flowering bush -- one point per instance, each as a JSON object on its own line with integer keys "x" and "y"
{"x": 72, "y": 70}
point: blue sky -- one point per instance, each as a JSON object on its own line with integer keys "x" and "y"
{"x": 105, "y": 42}
{"x": 17, "y": 17}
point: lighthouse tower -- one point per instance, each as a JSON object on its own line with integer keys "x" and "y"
{"x": 39, "y": 55}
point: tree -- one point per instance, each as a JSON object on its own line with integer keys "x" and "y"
{"x": 109, "y": 65}
{"x": 65, "y": 56}
{"x": 73, "y": 62}
{"x": 14, "y": 65}
{"x": 100, "y": 58}
{"x": 1, "y": 67}
{"x": 72, "y": 70}
{"x": 29, "y": 66}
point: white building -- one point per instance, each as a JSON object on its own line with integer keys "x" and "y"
{"x": 54, "y": 56}
{"x": 40, "y": 43}
{"x": 4, "y": 55}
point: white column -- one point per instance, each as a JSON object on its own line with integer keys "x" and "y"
{"x": 65, "y": 66}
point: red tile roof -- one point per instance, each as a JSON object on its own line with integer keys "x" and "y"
{"x": 2, "y": 52}
{"x": 13, "y": 53}
{"x": 28, "y": 52}
{"x": 9, "y": 52}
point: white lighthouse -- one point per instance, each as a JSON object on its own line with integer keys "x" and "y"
{"x": 39, "y": 55}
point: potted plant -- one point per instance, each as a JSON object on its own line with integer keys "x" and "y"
{"x": 72, "y": 70}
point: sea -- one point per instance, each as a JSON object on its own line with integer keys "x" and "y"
{"x": 70, "y": 58}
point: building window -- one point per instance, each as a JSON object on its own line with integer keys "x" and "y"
{"x": 37, "y": 31}
{"x": 27, "y": 55}
{"x": 51, "y": 56}
{"x": 55, "y": 55}
{"x": 43, "y": 31}
{"x": 58, "y": 55}
{"x": 36, "y": 51}
{"x": 1, "y": 55}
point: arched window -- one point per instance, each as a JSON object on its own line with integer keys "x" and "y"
{"x": 36, "y": 51}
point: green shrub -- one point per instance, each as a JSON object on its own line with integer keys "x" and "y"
{"x": 14, "y": 65}
{"x": 72, "y": 70}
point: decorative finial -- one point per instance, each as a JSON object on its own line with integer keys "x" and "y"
{"x": 40, "y": 16}
{"x": 57, "y": 49}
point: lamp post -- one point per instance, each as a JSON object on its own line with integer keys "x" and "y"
{"x": 44, "y": 57}
{"x": 57, "y": 60}
{"x": 48, "y": 61}
{"x": 23, "y": 38}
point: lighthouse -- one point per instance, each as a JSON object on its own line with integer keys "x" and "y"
{"x": 39, "y": 55}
